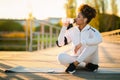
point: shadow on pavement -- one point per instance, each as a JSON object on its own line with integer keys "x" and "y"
{"x": 17, "y": 76}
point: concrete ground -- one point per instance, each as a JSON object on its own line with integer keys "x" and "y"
{"x": 109, "y": 54}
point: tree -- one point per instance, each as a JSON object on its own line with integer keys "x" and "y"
{"x": 95, "y": 21}
{"x": 106, "y": 22}
{"x": 10, "y": 25}
{"x": 70, "y": 7}
{"x": 114, "y": 7}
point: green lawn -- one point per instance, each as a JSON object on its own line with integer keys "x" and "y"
{"x": 20, "y": 45}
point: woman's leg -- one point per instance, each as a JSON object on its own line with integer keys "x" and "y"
{"x": 93, "y": 58}
{"x": 86, "y": 53}
{"x": 66, "y": 59}
{"x": 89, "y": 53}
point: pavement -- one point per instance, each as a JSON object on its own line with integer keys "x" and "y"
{"x": 108, "y": 54}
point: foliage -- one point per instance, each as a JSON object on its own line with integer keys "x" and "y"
{"x": 13, "y": 35}
{"x": 108, "y": 22}
{"x": 104, "y": 21}
{"x": 95, "y": 22}
{"x": 27, "y": 26}
{"x": 59, "y": 24}
{"x": 70, "y": 7}
{"x": 37, "y": 28}
{"x": 10, "y": 25}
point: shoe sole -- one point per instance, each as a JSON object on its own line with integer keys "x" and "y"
{"x": 71, "y": 72}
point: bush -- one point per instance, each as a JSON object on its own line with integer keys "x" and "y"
{"x": 10, "y": 25}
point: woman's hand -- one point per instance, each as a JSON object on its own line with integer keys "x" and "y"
{"x": 77, "y": 47}
{"x": 65, "y": 22}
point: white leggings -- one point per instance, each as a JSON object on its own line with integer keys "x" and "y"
{"x": 89, "y": 54}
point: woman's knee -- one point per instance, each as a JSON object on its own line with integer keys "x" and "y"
{"x": 61, "y": 57}
{"x": 65, "y": 58}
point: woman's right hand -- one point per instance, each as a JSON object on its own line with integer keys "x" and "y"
{"x": 65, "y": 22}
{"x": 77, "y": 47}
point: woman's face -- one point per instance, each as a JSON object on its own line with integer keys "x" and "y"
{"x": 80, "y": 20}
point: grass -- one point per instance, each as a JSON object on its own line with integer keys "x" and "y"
{"x": 20, "y": 45}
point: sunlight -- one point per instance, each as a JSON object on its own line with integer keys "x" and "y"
{"x": 44, "y": 8}
{"x": 13, "y": 9}
{"x": 40, "y": 8}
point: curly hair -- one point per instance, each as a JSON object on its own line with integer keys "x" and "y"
{"x": 87, "y": 12}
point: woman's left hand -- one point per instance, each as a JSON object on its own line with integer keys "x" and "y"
{"x": 77, "y": 47}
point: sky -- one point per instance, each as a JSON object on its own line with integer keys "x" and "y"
{"x": 41, "y": 9}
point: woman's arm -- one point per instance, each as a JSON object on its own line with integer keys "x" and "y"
{"x": 63, "y": 38}
{"x": 95, "y": 40}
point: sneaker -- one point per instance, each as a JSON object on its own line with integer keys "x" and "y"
{"x": 91, "y": 67}
{"x": 71, "y": 68}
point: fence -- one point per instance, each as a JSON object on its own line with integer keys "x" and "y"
{"x": 13, "y": 43}
{"x": 13, "y": 40}
{"x": 37, "y": 40}
{"x": 45, "y": 39}
{"x": 112, "y": 36}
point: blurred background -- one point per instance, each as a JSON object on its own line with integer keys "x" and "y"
{"x": 29, "y": 25}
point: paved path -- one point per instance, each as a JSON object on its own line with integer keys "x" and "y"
{"x": 109, "y": 58}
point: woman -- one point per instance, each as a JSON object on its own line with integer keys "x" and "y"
{"x": 85, "y": 40}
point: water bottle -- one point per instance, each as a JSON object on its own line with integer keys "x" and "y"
{"x": 70, "y": 20}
